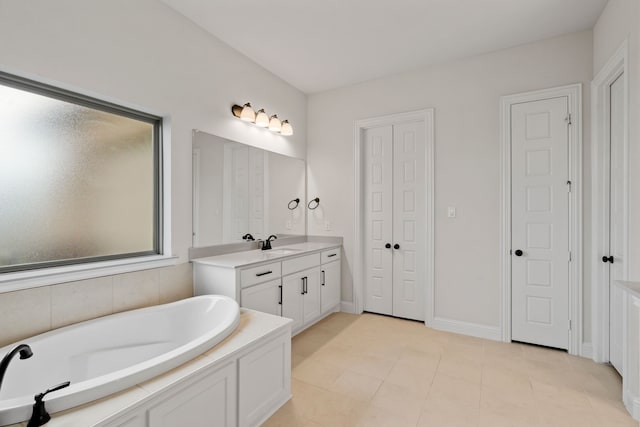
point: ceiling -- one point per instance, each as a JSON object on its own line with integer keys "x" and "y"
{"x": 321, "y": 45}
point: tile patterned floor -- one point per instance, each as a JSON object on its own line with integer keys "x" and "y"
{"x": 370, "y": 370}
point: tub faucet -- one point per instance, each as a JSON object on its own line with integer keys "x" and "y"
{"x": 40, "y": 416}
{"x": 266, "y": 244}
{"x": 25, "y": 353}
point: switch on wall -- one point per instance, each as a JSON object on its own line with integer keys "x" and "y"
{"x": 451, "y": 212}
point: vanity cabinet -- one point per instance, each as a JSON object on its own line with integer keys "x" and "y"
{"x": 330, "y": 280}
{"x": 303, "y": 285}
{"x": 265, "y": 297}
{"x": 301, "y": 297}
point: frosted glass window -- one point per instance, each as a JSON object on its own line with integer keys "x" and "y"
{"x": 79, "y": 179}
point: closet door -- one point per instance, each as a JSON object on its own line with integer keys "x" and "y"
{"x": 616, "y": 221}
{"x": 409, "y": 221}
{"x": 378, "y": 204}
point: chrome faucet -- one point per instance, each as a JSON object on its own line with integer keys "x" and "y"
{"x": 25, "y": 353}
{"x": 266, "y": 244}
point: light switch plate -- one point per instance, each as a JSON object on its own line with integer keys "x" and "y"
{"x": 451, "y": 212}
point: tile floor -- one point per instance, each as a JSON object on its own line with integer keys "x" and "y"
{"x": 371, "y": 370}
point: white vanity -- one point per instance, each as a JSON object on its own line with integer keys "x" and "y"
{"x": 629, "y": 324}
{"x": 299, "y": 281}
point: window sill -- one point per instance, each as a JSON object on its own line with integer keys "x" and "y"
{"x": 50, "y": 276}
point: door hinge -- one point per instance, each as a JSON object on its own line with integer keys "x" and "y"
{"x": 568, "y": 119}
{"x": 569, "y": 186}
{"x": 569, "y": 324}
{"x": 570, "y": 257}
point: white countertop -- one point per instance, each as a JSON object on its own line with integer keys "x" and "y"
{"x": 253, "y": 326}
{"x": 257, "y": 256}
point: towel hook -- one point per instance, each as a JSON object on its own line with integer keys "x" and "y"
{"x": 317, "y": 203}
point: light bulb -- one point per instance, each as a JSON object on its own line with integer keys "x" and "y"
{"x": 287, "y": 129}
{"x": 247, "y": 114}
{"x": 262, "y": 120}
{"x": 274, "y": 123}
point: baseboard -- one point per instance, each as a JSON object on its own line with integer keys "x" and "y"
{"x": 347, "y": 307}
{"x": 632, "y": 404}
{"x": 467, "y": 328}
{"x": 587, "y": 350}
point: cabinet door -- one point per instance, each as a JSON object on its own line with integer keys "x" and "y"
{"x": 265, "y": 297}
{"x": 264, "y": 381}
{"x": 311, "y": 297}
{"x": 292, "y": 299}
{"x": 207, "y": 402}
{"x": 330, "y": 286}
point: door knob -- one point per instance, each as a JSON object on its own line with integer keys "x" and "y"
{"x": 388, "y": 246}
{"x": 518, "y": 252}
{"x": 396, "y": 246}
{"x": 607, "y": 259}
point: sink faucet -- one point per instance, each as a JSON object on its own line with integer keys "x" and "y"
{"x": 266, "y": 244}
{"x": 248, "y": 237}
{"x": 25, "y": 353}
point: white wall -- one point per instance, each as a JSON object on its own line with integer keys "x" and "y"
{"x": 144, "y": 54}
{"x": 465, "y": 95}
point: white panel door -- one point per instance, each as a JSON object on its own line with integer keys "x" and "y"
{"x": 540, "y": 222}
{"x": 292, "y": 299}
{"x": 264, "y": 297}
{"x": 409, "y": 220}
{"x": 311, "y": 296}
{"x": 330, "y": 286}
{"x": 378, "y": 204}
{"x": 616, "y": 220}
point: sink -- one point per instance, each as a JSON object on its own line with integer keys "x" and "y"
{"x": 281, "y": 251}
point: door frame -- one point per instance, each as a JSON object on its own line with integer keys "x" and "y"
{"x": 600, "y": 183}
{"x": 427, "y": 117}
{"x": 574, "y": 94}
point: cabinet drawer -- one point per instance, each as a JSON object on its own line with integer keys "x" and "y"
{"x": 301, "y": 263}
{"x": 331, "y": 255}
{"x": 259, "y": 274}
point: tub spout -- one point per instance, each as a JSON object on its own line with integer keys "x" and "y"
{"x": 25, "y": 353}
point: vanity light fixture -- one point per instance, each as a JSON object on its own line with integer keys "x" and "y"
{"x": 261, "y": 119}
{"x": 247, "y": 114}
{"x": 275, "y": 125}
{"x": 286, "y": 130}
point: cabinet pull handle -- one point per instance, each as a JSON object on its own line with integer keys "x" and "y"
{"x": 264, "y": 274}
{"x": 280, "y": 300}
{"x": 323, "y": 279}
{"x": 303, "y": 286}
{"x": 331, "y": 255}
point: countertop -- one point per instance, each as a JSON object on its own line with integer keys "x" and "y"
{"x": 253, "y": 326}
{"x": 257, "y": 256}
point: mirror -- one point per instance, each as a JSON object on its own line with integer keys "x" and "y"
{"x": 239, "y": 189}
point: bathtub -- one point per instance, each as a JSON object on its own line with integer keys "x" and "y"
{"x": 112, "y": 353}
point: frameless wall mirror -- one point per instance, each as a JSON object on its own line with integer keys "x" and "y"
{"x": 240, "y": 190}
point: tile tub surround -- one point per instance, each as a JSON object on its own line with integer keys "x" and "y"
{"x": 372, "y": 370}
{"x": 29, "y": 312}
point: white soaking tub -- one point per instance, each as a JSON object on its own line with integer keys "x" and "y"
{"x": 112, "y": 353}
